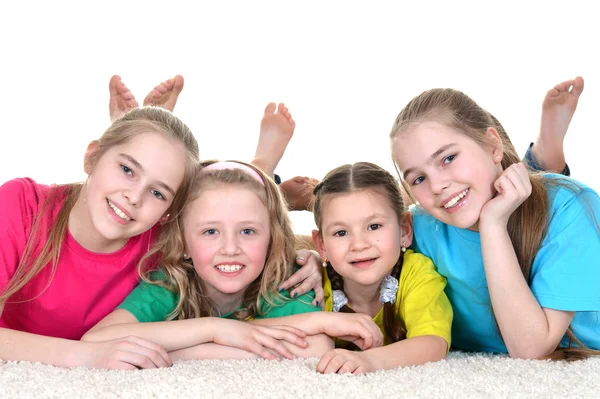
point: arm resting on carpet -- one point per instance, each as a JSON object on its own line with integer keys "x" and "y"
{"x": 317, "y": 346}
{"x": 128, "y": 353}
{"x": 180, "y": 334}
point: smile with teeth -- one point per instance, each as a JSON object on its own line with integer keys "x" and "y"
{"x": 118, "y": 212}
{"x": 455, "y": 200}
{"x": 229, "y": 268}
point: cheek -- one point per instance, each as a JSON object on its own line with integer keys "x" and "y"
{"x": 257, "y": 250}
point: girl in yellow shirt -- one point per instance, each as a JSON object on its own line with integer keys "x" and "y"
{"x": 364, "y": 230}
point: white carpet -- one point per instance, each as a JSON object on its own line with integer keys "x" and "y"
{"x": 461, "y": 375}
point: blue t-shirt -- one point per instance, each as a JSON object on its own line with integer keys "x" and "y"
{"x": 565, "y": 272}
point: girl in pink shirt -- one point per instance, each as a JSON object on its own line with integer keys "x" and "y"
{"x": 69, "y": 254}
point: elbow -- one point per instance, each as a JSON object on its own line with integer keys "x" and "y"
{"x": 91, "y": 336}
{"x": 528, "y": 352}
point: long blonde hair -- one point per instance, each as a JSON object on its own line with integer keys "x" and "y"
{"x": 181, "y": 277}
{"x": 528, "y": 225}
{"x": 137, "y": 121}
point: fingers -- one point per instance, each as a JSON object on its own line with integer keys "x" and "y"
{"x": 319, "y": 300}
{"x": 285, "y": 333}
{"x": 514, "y": 183}
{"x": 266, "y": 341}
{"x": 139, "y": 356}
{"x": 164, "y": 357}
{"x": 337, "y": 361}
{"x": 296, "y": 278}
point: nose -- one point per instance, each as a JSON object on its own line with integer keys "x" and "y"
{"x": 134, "y": 195}
{"x": 230, "y": 244}
{"x": 359, "y": 242}
{"x": 438, "y": 183}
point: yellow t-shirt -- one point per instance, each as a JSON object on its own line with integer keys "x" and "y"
{"x": 421, "y": 302}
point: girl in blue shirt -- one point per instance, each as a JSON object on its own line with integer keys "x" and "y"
{"x": 520, "y": 249}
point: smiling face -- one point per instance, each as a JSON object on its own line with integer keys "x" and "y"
{"x": 128, "y": 190}
{"x": 449, "y": 174}
{"x": 227, "y": 234}
{"x": 361, "y": 236}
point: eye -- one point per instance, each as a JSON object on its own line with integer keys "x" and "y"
{"x": 127, "y": 170}
{"x": 449, "y": 159}
{"x": 374, "y": 226}
{"x": 210, "y": 232}
{"x": 248, "y": 231}
{"x": 418, "y": 180}
{"x": 340, "y": 233}
{"x": 158, "y": 195}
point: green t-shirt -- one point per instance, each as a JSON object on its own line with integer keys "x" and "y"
{"x": 150, "y": 302}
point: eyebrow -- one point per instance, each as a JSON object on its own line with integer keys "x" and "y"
{"x": 367, "y": 219}
{"x": 141, "y": 168}
{"x": 432, "y": 157}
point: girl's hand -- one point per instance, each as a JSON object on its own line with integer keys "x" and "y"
{"x": 357, "y": 328}
{"x": 257, "y": 339}
{"x": 309, "y": 275}
{"x": 513, "y": 188}
{"x": 129, "y": 353}
{"x": 342, "y": 361}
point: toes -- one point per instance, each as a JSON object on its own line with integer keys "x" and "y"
{"x": 270, "y": 109}
{"x": 177, "y": 84}
{"x": 577, "y": 86}
{"x": 113, "y": 83}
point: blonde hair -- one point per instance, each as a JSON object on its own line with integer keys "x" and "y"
{"x": 137, "y": 121}
{"x": 528, "y": 225}
{"x": 181, "y": 277}
{"x": 353, "y": 178}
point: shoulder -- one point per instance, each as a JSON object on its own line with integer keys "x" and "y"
{"x": 570, "y": 200}
{"x": 22, "y": 189}
{"x": 416, "y": 265}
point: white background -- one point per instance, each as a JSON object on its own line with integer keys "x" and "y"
{"x": 344, "y": 68}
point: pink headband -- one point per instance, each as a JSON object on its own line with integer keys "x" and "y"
{"x": 234, "y": 165}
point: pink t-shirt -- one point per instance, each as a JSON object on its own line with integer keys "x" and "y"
{"x": 87, "y": 286}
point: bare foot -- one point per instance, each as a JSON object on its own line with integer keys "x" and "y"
{"x": 121, "y": 99}
{"x": 276, "y": 130}
{"x": 557, "y": 111}
{"x": 298, "y": 192}
{"x": 165, "y": 94}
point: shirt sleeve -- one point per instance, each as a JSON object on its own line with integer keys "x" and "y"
{"x": 566, "y": 270}
{"x": 287, "y": 306}
{"x": 150, "y": 302}
{"x": 424, "y": 306}
{"x": 18, "y": 207}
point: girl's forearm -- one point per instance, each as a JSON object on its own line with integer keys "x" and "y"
{"x": 317, "y": 346}
{"x": 311, "y": 323}
{"x": 210, "y": 351}
{"x": 408, "y": 352}
{"x": 18, "y": 345}
{"x": 171, "y": 335}
{"x": 522, "y": 321}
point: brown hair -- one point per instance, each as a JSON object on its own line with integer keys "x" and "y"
{"x": 181, "y": 277}
{"x": 347, "y": 179}
{"x": 137, "y": 121}
{"x": 528, "y": 225}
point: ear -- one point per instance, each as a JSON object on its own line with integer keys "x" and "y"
{"x": 92, "y": 149}
{"x": 497, "y": 146}
{"x": 406, "y": 227}
{"x": 164, "y": 219}
{"x": 319, "y": 244}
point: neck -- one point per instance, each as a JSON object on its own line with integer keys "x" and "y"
{"x": 82, "y": 229}
{"x": 226, "y": 303}
{"x": 363, "y": 298}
